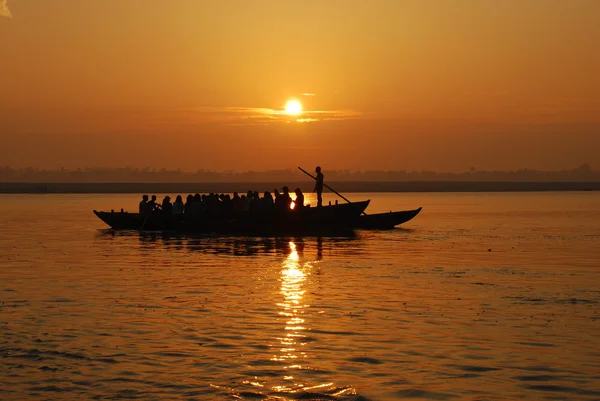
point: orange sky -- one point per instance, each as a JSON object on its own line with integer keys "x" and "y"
{"x": 385, "y": 84}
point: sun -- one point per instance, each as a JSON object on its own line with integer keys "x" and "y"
{"x": 293, "y": 107}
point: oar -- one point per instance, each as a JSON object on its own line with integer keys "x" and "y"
{"x": 327, "y": 186}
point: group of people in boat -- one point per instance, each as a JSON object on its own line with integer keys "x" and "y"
{"x": 226, "y": 206}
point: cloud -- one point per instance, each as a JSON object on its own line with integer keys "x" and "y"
{"x": 248, "y": 116}
{"x": 262, "y": 116}
{"x": 4, "y": 11}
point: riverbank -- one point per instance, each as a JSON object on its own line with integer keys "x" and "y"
{"x": 345, "y": 186}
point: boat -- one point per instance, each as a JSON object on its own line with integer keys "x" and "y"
{"x": 385, "y": 221}
{"x": 326, "y": 220}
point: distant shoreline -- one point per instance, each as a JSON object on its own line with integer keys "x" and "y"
{"x": 341, "y": 186}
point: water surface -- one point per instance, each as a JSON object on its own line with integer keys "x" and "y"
{"x": 481, "y": 296}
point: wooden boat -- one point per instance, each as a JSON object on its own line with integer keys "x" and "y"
{"x": 326, "y": 220}
{"x": 385, "y": 221}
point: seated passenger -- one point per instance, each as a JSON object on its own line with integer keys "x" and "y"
{"x": 279, "y": 200}
{"x": 248, "y": 201}
{"x": 187, "y": 208}
{"x": 276, "y": 194}
{"x": 265, "y": 205}
{"x": 238, "y": 205}
{"x": 287, "y": 199}
{"x": 227, "y": 207}
{"x": 268, "y": 201}
{"x": 143, "y": 208}
{"x": 299, "y": 202}
{"x": 255, "y": 203}
{"x": 178, "y": 206}
{"x": 167, "y": 207}
{"x": 152, "y": 205}
{"x": 197, "y": 207}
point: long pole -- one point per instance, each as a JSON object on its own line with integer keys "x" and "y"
{"x": 326, "y": 186}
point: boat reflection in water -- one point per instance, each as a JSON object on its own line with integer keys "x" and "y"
{"x": 232, "y": 245}
{"x": 290, "y": 348}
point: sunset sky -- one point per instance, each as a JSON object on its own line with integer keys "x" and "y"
{"x": 384, "y": 84}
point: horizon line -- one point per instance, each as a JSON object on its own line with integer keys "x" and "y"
{"x": 147, "y": 169}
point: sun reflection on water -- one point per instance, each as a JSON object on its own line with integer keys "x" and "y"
{"x": 291, "y": 348}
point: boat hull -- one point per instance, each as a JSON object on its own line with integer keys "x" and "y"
{"x": 326, "y": 220}
{"x": 385, "y": 221}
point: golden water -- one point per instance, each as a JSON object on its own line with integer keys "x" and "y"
{"x": 481, "y": 296}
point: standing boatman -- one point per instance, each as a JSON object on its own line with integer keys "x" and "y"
{"x": 319, "y": 186}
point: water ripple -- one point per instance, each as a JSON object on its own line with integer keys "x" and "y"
{"x": 483, "y": 297}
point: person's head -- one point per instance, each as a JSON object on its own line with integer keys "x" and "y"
{"x": 167, "y": 198}
{"x": 298, "y": 192}
{"x": 153, "y": 197}
{"x": 178, "y": 199}
{"x": 145, "y": 197}
{"x": 318, "y": 169}
{"x": 285, "y": 190}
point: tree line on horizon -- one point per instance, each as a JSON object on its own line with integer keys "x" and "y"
{"x": 582, "y": 173}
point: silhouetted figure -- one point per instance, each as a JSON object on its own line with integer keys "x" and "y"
{"x": 286, "y": 199}
{"x": 227, "y": 210}
{"x": 152, "y": 205}
{"x": 248, "y": 202}
{"x": 197, "y": 207}
{"x": 143, "y": 208}
{"x": 319, "y": 186}
{"x": 187, "y": 209}
{"x": 299, "y": 202}
{"x": 238, "y": 205}
{"x": 279, "y": 201}
{"x": 167, "y": 207}
{"x": 268, "y": 202}
{"x": 178, "y": 206}
{"x": 263, "y": 206}
{"x": 254, "y": 203}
